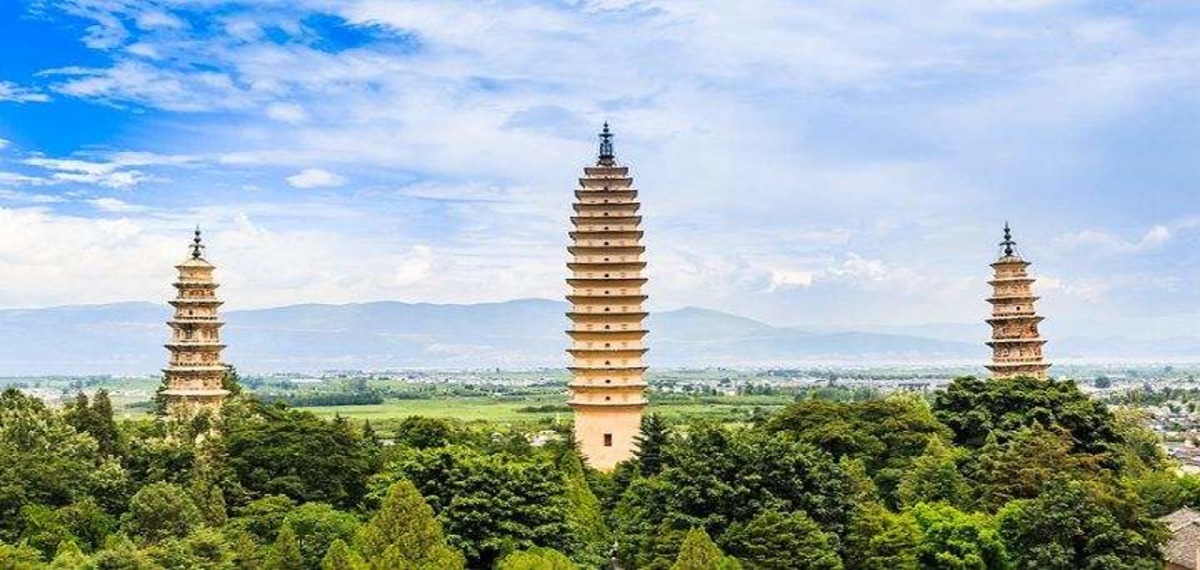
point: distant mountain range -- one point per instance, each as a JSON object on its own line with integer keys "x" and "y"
{"x": 126, "y": 338}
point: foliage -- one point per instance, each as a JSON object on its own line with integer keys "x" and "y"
{"x": 404, "y": 531}
{"x": 425, "y": 433}
{"x": 536, "y": 558}
{"x": 1073, "y": 524}
{"x": 277, "y": 451}
{"x": 285, "y": 553}
{"x": 341, "y": 557}
{"x": 887, "y": 435}
{"x": 719, "y": 476}
{"x": 778, "y": 541}
{"x": 492, "y": 504}
{"x": 882, "y": 540}
{"x": 43, "y": 460}
{"x": 951, "y": 538}
{"x": 650, "y": 442}
{"x": 934, "y": 477}
{"x": 699, "y": 552}
{"x": 317, "y": 526}
{"x": 161, "y": 510}
{"x": 974, "y": 408}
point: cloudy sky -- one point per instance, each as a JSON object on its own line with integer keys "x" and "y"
{"x": 804, "y": 162}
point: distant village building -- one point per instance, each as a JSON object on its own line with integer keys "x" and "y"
{"x": 1016, "y": 344}
{"x": 607, "y": 371}
{"x": 195, "y": 373}
{"x": 1183, "y": 549}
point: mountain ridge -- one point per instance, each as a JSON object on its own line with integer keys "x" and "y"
{"x": 127, "y": 337}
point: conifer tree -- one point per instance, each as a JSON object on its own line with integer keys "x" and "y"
{"x": 340, "y": 557}
{"x": 699, "y": 552}
{"x": 404, "y": 528}
{"x": 536, "y": 558}
{"x": 210, "y": 500}
{"x": 68, "y": 557}
{"x": 285, "y": 553}
{"x": 102, "y": 425}
{"x": 650, "y": 442}
{"x": 584, "y": 513}
{"x": 232, "y": 381}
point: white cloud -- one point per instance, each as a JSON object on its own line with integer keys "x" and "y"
{"x": 109, "y": 204}
{"x": 12, "y": 92}
{"x": 106, "y": 174}
{"x": 287, "y": 112}
{"x": 1105, "y": 243}
{"x": 4, "y": 143}
{"x": 784, "y": 278}
{"x": 315, "y": 178}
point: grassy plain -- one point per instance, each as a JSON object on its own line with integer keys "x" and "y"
{"x": 544, "y": 408}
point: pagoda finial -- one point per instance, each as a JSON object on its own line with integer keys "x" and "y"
{"x": 1008, "y": 242}
{"x": 197, "y": 247}
{"x": 606, "y": 146}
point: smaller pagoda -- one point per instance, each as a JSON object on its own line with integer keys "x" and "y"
{"x": 1016, "y": 343}
{"x": 195, "y": 374}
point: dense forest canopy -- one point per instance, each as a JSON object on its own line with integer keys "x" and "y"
{"x": 987, "y": 475}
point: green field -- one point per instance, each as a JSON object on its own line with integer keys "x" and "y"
{"x": 509, "y": 410}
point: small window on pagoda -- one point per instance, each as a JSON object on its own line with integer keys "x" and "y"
{"x": 608, "y": 440}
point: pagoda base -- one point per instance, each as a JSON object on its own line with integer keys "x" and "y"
{"x": 606, "y": 434}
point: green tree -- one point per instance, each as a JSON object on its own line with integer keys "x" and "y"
{"x": 886, "y": 434}
{"x": 954, "y": 539}
{"x": 232, "y": 381}
{"x": 882, "y": 540}
{"x": 1021, "y": 468}
{"x": 102, "y": 426}
{"x": 1074, "y": 524}
{"x": 43, "y": 460}
{"x": 264, "y": 517}
{"x": 161, "y": 510}
{"x": 583, "y": 512}
{"x": 68, "y": 556}
{"x": 699, "y": 552}
{"x": 405, "y": 525}
{"x": 974, "y": 408}
{"x": 317, "y": 527}
{"x": 341, "y": 557}
{"x": 719, "y": 476}
{"x": 19, "y": 557}
{"x": 120, "y": 553}
{"x": 777, "y": 541}
{"x": 204, "y": 549}
{"x": 285, "y": 553}
{"x": 536, "y": 559}
{"x": 650, "y": 442}
{"x": 210, "y": 501}
{"x": 273, "y": 450}
{"x": 934, "y": 477}
{"x": 492, "y": 504}
{"x": 424, "y": 433}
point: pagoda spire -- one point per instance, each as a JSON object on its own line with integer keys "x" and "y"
{"x": 195, "y": 374}
{"x": 607, "y": 158}
{"x": 608, "y": 387}
{"x": 197, "y": 247}
{"x": 1016, "y": 343}
{"x": 1008, "y": 242}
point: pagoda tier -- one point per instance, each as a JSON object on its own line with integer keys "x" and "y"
{"x": 1016, "y": 344}
{"x": 608, "y": 387}
{"x": 195, "y": 373}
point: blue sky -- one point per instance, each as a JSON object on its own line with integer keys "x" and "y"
{"x": 821, "y": 162}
